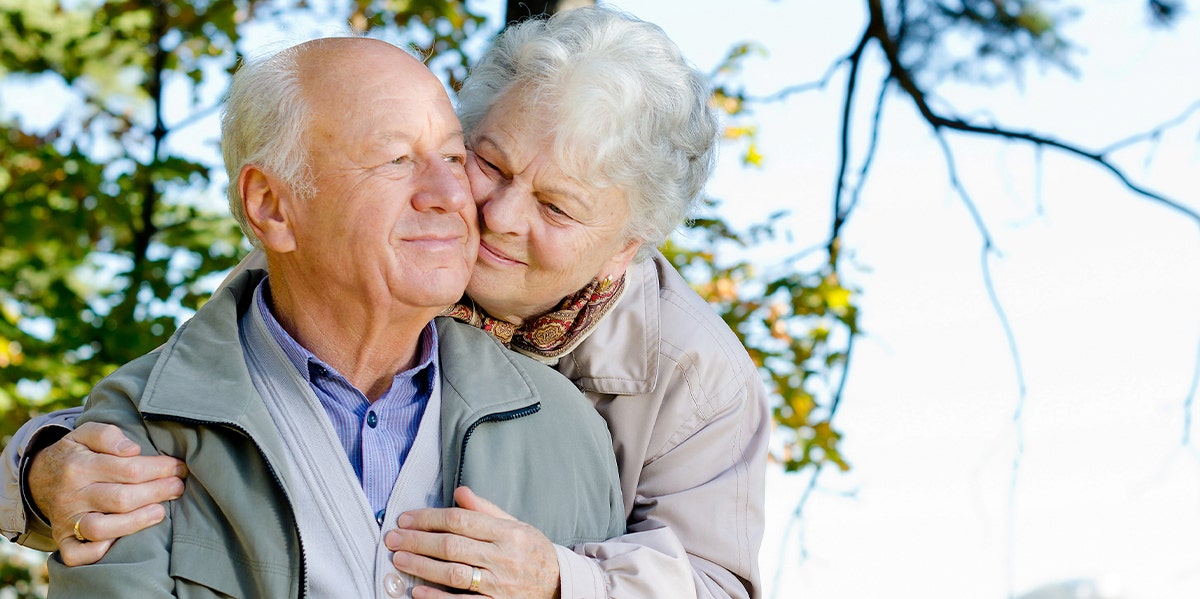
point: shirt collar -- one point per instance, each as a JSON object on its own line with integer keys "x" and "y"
{"x": 307, "y": 363}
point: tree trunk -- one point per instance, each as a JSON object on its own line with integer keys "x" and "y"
{"x": 520, "y": 10}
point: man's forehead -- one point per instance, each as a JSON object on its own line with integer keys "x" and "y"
{"x": 346, "y": 66}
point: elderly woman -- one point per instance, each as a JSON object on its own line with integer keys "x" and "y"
{"x": 591, "y": 139}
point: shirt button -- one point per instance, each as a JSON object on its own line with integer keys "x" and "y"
{"x": 394, "y": 585}
{"x": 372, "y": 419}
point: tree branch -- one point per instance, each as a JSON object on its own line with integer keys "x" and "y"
{"x": 798, "y": 88}
{"x": 855, "y": 60}
{"x": 905, "y": 79}
{"x": 158, "y": 63}
{"x": 869, "y": 158}
{"x": 1190, "y": 400}
{"x": 1152, "y": 134}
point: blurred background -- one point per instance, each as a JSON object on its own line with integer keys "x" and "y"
{"x": 961, "y": 238}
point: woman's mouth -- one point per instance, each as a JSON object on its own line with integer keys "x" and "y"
{"x": 491, "y": 254}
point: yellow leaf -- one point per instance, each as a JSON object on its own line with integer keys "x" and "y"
{"x": 752, "y": 157}
{"x": 739, "y": 132}
{"x": 838, "y": 299}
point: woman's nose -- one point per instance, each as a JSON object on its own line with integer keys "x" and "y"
{"x": 503, "y": 209}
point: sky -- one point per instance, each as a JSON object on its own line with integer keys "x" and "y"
{"x": 1100, "y": 287}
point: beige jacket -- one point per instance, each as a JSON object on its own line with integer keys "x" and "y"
{"x": 689, "y": 420}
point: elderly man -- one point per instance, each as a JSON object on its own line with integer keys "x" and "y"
{"x": 355, "y": 188}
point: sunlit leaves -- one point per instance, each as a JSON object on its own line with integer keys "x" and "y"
{"x": 94, "y": 264}
{"x": 795, "y": 326}
{"x": 436, "y": 29}
{"x": 731, "y": 101}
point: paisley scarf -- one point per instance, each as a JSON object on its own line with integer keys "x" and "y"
{"x": 548, "y": 337}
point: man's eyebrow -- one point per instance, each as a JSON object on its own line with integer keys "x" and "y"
{"x": 453, "y": 135}
{"x": 385, "y": 137}
{"x": 393, "y": 135}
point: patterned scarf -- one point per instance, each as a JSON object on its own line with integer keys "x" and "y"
{"x": 548, "y": 337}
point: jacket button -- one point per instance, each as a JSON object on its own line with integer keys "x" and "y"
{"x": 394, "y": 585}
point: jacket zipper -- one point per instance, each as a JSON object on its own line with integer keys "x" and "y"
{"x": 274, "y": 475}
{"x": 494, "y": 417}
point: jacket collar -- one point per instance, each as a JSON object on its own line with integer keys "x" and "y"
{"x": 201, "y": 371}
{"x": 479, "y": 372}
{"x": 621, "y": 357}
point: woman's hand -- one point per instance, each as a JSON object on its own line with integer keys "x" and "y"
{"x": 445, "y": 545}
{"x": 94, "y": 488}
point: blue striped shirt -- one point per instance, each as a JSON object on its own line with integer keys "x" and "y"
{"x": 375, "y": 435}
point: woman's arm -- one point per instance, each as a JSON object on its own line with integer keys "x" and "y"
{"x": 697, "y": 518}
{"x": 134, "y": 566}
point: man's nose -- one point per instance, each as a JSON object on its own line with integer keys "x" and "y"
{"x": 442, "y": 188}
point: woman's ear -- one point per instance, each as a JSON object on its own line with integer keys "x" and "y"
{"x": 617, "y": 265}
{"x": 268, "y": 208}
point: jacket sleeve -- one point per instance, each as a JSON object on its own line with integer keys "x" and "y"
{"x": 20, "y": 522}
{"x": 137, "y": 565}
{"x": 697, "y": 517}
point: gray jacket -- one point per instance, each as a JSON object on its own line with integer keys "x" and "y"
{"x": 519, "y": 434}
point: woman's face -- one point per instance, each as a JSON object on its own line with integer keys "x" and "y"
{"x": 543, "y": 235}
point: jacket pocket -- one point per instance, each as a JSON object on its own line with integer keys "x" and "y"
{"x": 204, "y": 567}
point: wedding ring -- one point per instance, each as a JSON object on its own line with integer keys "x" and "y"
{"x": 79, "y": 535}
{"x": 476, "y": 578}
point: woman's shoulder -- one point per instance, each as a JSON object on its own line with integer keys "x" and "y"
{"x": 690, "y": 324}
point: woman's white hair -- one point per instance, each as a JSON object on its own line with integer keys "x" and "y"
{"x": 263, "y": 123}
{"x": 625, "y": 108}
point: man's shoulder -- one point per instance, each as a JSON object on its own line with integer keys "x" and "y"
{"x": 132, "y": 376}
{"x": 468, "y": 351}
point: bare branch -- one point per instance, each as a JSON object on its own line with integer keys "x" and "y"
{"x": 961, "y": 191}
{"x": 855, "y": 60}
{"x": 798, "y": 88}
{"x": 1010, "y": 515}
{"x": 987, "y": 249}
{"x": 872, "y": 147}
{"x": 985, "y": 252}
{"x": 905, "y": 79}
{"x": 1190, "y": 400}
{"x": 193, "y": 118}
{"x": 1152, "y": 134}
{"x": 837, "y": 394}
{"x": 796, "y": 516}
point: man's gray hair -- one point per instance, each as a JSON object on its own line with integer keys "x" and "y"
{"x": 263, "y": 122}
{"x": 625, "y": 108}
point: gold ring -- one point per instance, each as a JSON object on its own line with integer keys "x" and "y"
{"x": 79, "y": 535}
{"x": 476, "y": 578}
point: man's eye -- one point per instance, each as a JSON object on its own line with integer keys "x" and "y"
{"x": 400, "y": 160}
{"x": 456, "y": 159}
{"x": 556, "y": 210}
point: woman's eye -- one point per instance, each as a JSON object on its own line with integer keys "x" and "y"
{"x": 400, "y": 160}
{"x": 485, "y": 164}
{"x": 456, "y": 159}
{"x": 556, "y": 210}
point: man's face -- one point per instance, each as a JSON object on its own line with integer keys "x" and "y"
{"x": 392, "y": 219}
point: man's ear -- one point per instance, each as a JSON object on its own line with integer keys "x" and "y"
{"x": 268, "y": 207}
